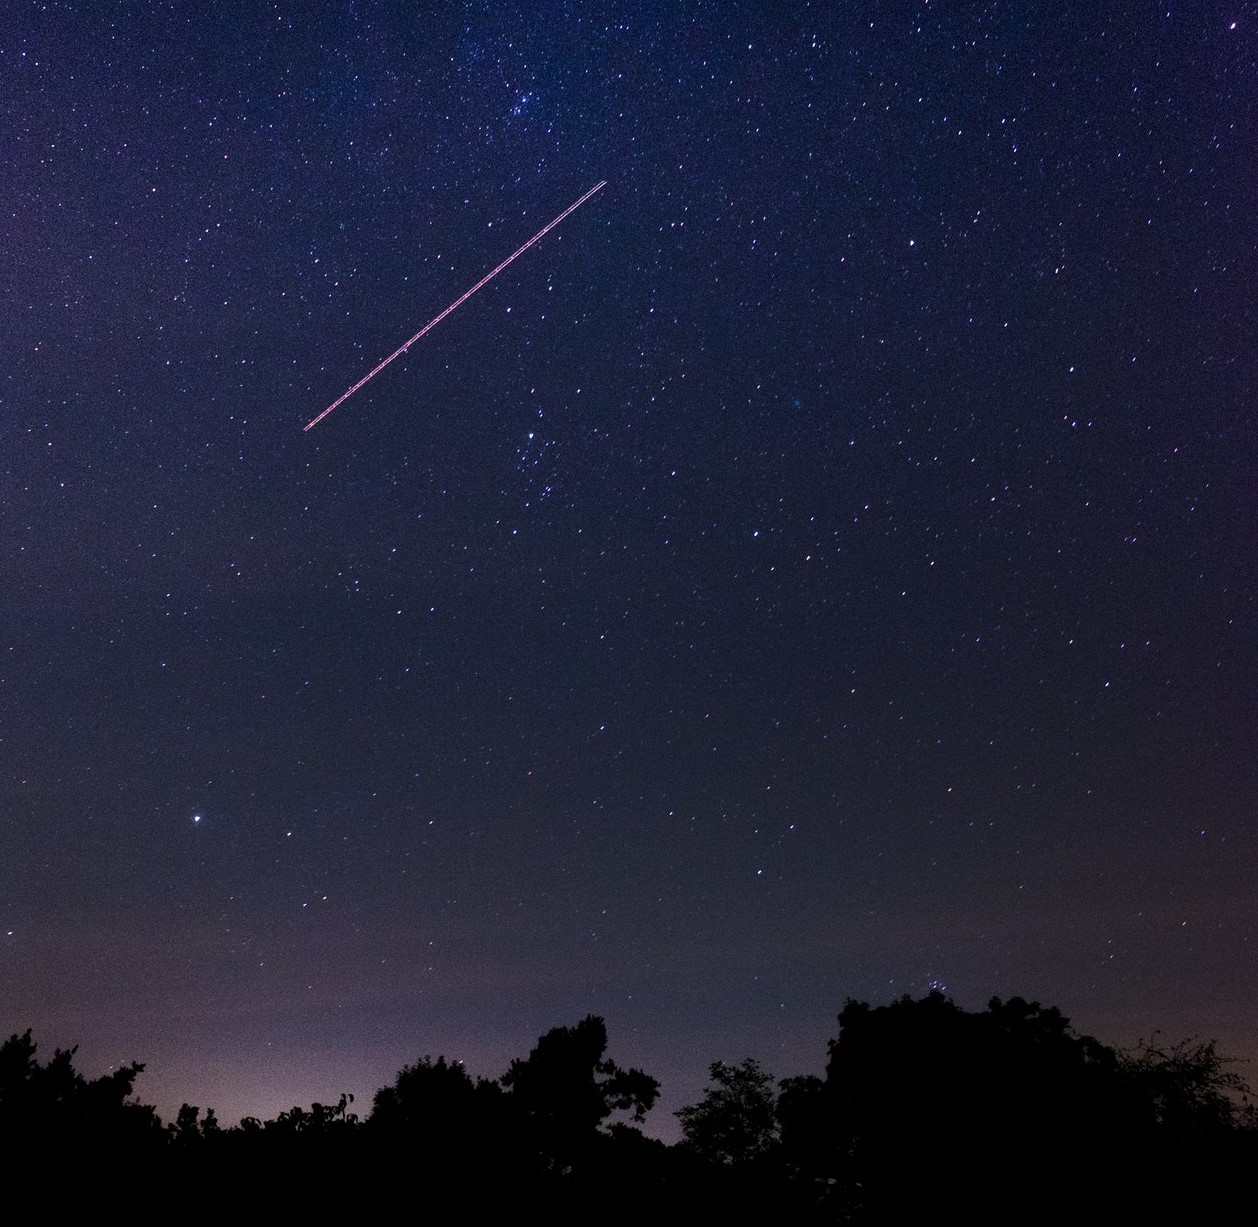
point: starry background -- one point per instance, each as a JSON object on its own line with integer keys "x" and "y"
{"x": 822, "y": 567}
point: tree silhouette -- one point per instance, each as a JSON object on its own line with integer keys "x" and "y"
{"x": 1007, "y": 1111}
{"x": 735, "y": 1122}
{"x": 50, "y": 1105}
{"x": 1188, "y": 1089}
{"x": 806, "y": 1130}
{"x": 1006, "y": 1100}
{"x": 426, "y": 1099}
{"x": 439, "y": 1118}
{"x": 565, "y": 1090}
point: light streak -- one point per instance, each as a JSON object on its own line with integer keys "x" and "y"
{"x": 458, "y": 302}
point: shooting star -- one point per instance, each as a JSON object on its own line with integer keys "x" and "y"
{"x": 458, "y": 302}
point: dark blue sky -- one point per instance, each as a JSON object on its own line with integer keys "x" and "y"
{"x": 822, "y": 567}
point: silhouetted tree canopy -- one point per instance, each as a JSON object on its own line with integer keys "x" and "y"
{"x": 736, "y": 1121}
{"x": 1007, "y": 1098}
{"x": 435, "y": 1111}
{"x": 1188, "y": 1089}
{"x": 566, "y": 1089}
{"x": 54, "y": 1105}
{"x": 427, "y": 1098}
{"x": 923, "y": 1106}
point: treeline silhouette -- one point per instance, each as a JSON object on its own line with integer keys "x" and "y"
{"x": 924, "y": 1109}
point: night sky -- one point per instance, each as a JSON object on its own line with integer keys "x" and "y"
{"x": 822, "y": 567}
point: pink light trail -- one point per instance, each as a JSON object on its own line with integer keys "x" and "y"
{"x": 458, "y": 302}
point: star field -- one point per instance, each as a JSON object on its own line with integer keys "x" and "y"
{"x": 822, "y": 567}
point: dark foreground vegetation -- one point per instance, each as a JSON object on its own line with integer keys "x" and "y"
{"x": 925, "y": 1109}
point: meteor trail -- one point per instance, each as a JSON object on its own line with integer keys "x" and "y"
{"x": 458, "y": 302}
